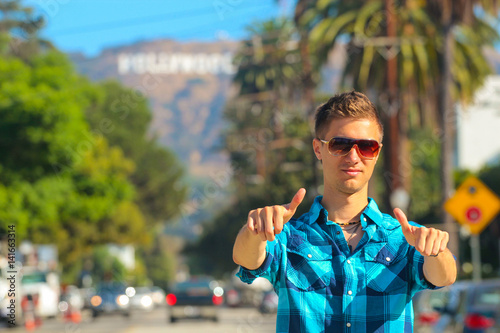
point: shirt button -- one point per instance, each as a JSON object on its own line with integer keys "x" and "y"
{"x": 388, "y": 259}
{"x": 309, "y": 255}
{"x": 338, "y": 232}
{"x": 364, "y": 219}
{"x": 348, "y": 261}
{"x": 348, "y": 324}
{"x": 349, "y": 292}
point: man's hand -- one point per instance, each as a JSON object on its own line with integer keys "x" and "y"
{"x": 268, "y": 221}
{"x": 427, "y": 241}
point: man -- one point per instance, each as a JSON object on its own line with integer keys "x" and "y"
{"x": 343, "y": 266}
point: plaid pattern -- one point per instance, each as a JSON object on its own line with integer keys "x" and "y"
{"x": 324, "y": 288}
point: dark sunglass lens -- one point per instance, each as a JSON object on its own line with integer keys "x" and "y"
{"x": 368, "y": 148}
{"x": 340, "y": 146}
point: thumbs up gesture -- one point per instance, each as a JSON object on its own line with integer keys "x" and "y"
{"x": 268, "y": 221}
{"x": 427, "y": 241}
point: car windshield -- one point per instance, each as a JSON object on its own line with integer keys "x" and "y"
{"x": 33, "y": 278}
{"x": 142, "y": 290}
{"x": 111, "y": 288}
{"x": 488, "y": 296}
{"x": 201, "y": 287}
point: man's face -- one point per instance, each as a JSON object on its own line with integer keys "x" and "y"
{"x": 347, "y": 174}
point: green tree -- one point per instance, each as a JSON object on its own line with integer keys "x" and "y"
{"x": 43, "y": 129}
{"x": 107, "y": 267}
{"x": 19, "y": 28}
{"x": 60, "y": 183}
{"x": 268, "y": 140}
{"x": 122, "y": 115}
{"x": 161, "y": 261}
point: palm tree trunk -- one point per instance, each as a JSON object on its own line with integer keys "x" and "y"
{"x": 447, "y": 119}
{"x": 307, "y": 83}
{"x": 392, "y": 161}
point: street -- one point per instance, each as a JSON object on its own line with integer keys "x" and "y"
{"x": 231, "y": 320}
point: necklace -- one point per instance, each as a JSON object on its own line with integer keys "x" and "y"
{"x": 352, "y": 234}
{"x": 347, "y": 223}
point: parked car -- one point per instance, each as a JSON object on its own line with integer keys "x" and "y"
{"x": 6, "y": 298}
{"x": 158, "y": 296}
{"x": 269, "y": 303}
{"x": 465, "y": 306}
{"x": 482, "y": 312}
{"x": 42, "y": 287}
{"x": 195, "y": 298}
{"x": 71, "y": 301}
{"x": 233, "y": 297}
{"x": 87, "y": 294}
{"x": 110, "y": 297}
{"x": 142, "y": 299}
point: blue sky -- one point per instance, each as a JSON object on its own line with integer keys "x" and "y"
{"x": 88, "y": 26}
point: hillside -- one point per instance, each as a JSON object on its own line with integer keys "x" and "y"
{"x": 187, "y": 85}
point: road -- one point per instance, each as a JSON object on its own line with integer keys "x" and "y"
{"x": 244, "y": 320}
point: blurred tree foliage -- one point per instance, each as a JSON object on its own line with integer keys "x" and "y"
{"x": 59, "y": 182}
{"x": 122, "y": 115}
{"x": 106, "y": 267}
{"x": 78, "y": 167}
{"x": 160, "y": 261}
{"x": 19, "y": 28}
{"x": 268, "y": 140}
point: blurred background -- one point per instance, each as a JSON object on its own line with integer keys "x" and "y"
{"x": 135, "y": 136}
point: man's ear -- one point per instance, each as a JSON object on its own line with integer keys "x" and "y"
{"x": 317, "y": 148}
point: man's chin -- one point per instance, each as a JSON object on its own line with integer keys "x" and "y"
{"x": 351, "y": 187}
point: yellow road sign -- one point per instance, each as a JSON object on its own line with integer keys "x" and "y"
{"x": 474, "y": 205}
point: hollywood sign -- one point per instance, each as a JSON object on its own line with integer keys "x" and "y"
{"x": 175, "y": 63}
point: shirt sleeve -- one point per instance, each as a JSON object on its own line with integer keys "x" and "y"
{"x": 269, "y": 268}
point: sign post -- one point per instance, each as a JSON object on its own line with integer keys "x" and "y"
{"x": 474, "y": 206}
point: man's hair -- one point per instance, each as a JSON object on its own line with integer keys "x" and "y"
{"x": 351, "y": 104}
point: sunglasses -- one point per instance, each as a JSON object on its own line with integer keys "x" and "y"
{"x": 368, "y": 149}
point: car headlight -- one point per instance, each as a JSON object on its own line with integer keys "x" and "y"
{"x": 122, "y": 300}
{"x": 96, "y": 300}
{"x": 63, "y": 306}
{"x": 218, "y": 291}
{"x": 146, "y": 301}
{"x": 130, "y": 291}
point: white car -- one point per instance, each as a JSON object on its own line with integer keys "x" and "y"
{"x": 44, "y": 288}
{"x": 142, "y": 299}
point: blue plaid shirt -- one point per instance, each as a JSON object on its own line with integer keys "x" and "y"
{"x": 322, "y": 287}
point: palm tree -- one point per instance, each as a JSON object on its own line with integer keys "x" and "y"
{"x": 268, "y": 81}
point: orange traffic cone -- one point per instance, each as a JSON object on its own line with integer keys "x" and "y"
{"x": 76, "y": 317}
{"x": 29, "y": 322}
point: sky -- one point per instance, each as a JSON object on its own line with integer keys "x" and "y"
{"x": 88, "y": 26}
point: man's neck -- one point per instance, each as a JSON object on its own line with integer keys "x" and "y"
{"x": 344, "y": 207}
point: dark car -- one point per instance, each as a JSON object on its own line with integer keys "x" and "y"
{"x": 110, "y": 298}
{"x": 466, "y": 306}
{"x": 195, "y": 298}
{"x": 269, "y": 304}
{"x": 482, "y": 312}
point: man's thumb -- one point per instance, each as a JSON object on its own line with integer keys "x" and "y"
{"x": 297, "y": 199}
{"x": 401, "y": 217}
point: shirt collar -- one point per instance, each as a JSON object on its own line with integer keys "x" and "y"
{"x": 319, "y": 214}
